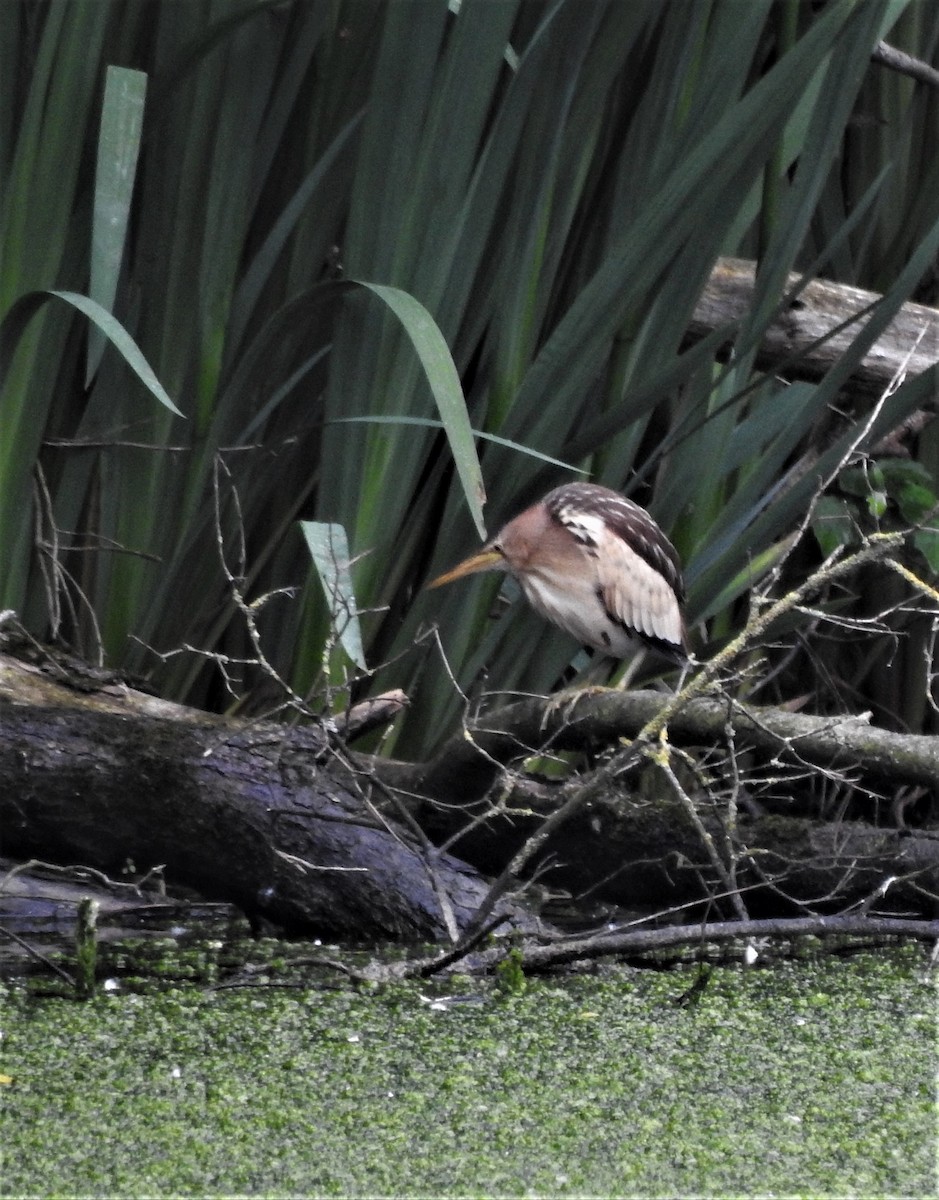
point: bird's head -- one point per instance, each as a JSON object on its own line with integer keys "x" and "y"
{"x": 514, "y": 549}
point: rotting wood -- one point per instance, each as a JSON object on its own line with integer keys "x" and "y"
{"x": 467, "y": 766}
{"x": 792, "y": 342}
{"x": 272, "y": 819}
{"x": 244, "y": 812}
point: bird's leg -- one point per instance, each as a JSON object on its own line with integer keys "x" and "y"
{"x": 687, "y": 667}
{"x": 565, "y": 699}
{"x": 629, "y": 671}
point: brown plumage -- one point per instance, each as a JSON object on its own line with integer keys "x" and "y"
{"x": 595, "y": 564}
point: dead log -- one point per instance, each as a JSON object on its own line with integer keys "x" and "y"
{"x": 793, "y": 340}
{"x": 633, "y": 848}
{"x": 289, "y": 827}
{"x": 637, "y": 849}
{"x": 468, "y": 765}
{"x": 248, "y": 813}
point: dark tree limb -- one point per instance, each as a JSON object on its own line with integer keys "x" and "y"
{"x": 638, "y": 941}
{"x": 468, "y": 765}
{"x": 252, "y": 814}
{"x": 289, "y": 827}
{"x": 623, "y": 848}
{"x": 635, "y": 847}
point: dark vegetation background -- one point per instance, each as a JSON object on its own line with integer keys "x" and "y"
{"x": 553, "y": 181}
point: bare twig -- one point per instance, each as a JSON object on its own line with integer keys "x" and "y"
{"x": 639, "y": 940}
{"x": 663, "y": 762}
{"x": 37, "y": 954}
{"x": 906, "y": 64}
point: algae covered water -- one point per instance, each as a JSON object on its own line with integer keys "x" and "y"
{"x": 810, "y": 1077}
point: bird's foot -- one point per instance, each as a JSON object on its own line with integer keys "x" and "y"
{"x": 565, "y": 701}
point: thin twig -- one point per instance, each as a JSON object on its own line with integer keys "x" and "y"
{"x": 37, "y": 954}
{"x": 633, "y": 941}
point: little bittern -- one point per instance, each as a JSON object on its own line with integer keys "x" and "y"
{"x": 595, "y": 564}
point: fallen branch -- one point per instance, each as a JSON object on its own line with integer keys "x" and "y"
{"x": 813, "y": 333}
{"x": 631, "y": 942}
{"x": 642, "y": 941}
{"x": 467, "y": 767}
{"x": 252, "y": 814}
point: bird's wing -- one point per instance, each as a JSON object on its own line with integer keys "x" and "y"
{"x": 637, "y": 572}
{"x": 636, "y": 595}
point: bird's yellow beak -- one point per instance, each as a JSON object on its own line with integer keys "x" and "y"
{"x": 484, "y": 560}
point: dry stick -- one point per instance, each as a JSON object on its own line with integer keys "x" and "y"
{"x": 430, "y": 966}
{"x": 236, "y": 585}
{"x": 719, "y": 931}
{"x": 663, "y": 762}
{"x": 911, "y": 577}
{"x": 906, "y": 64}
{"x": 645, "y": 941}
{"x": 877, "y": 546}
{"x": 37, "y": 954}
{"x": 576, "y": 800}
{"x": 56, "y": 577}
{"x": 729, "y": 825}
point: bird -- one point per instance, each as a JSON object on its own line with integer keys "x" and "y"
{"x": 596, "y": 565}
